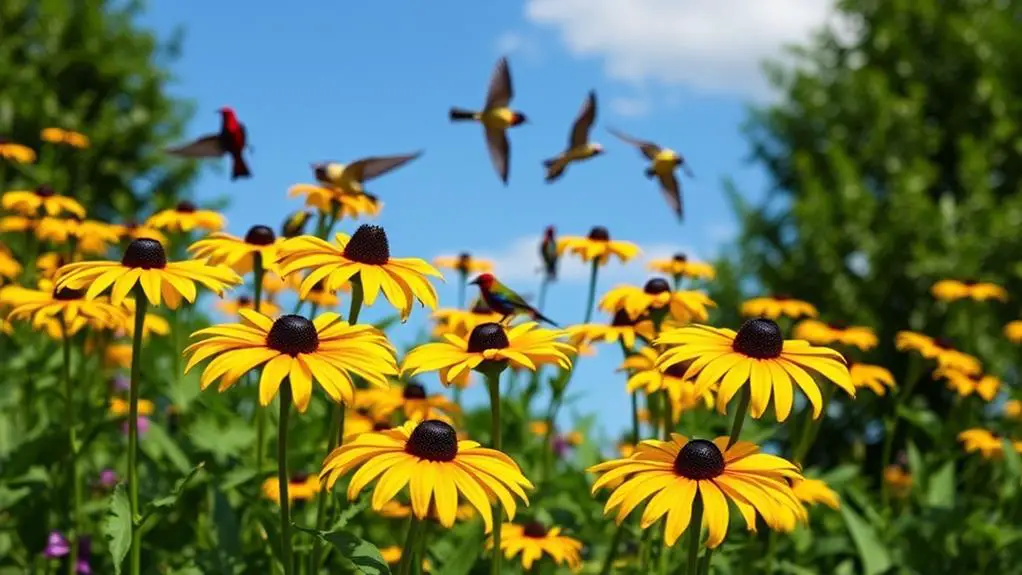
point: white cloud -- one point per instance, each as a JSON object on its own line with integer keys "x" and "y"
{"x": 514, "y": 42}
{"x": 630, "y": 107}
{"x": 711, "y": 46}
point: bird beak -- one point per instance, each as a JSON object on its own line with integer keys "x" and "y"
{"x": 474, "y": 282}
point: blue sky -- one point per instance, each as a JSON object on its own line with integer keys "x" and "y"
{"x": 324, "y": 80}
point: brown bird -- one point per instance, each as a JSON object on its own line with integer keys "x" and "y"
{"x": 663, "y": 162}
{"x": 349, "y": 178}
{"x": 496, "y": 117}
{"x": 579, "y": 148}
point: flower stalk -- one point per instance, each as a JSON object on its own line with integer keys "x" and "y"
{"x": 282, "y": 477}
{"x": 739, "y": 420}
{"x": 72, "y": 439}
{"x": 141, "y": 304}
{"x": 493, "y": 384}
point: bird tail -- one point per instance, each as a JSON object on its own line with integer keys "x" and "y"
{"x": 554, "y": 168}
{"x": 461, "y": 115}
{"x": 650, "y": 173}
{"x": 551, "y": 272}
{"x": 240, "y": 168}
{"x": 540, "y": 317}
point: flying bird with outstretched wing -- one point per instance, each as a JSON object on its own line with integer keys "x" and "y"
{"x": 350, "y": 177}
{"x": 663, "y": 162}
{"x": 579, "y": 147}
{"x": 230, "y": 140}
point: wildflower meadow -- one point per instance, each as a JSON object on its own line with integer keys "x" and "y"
{"x": 835, "y": 391}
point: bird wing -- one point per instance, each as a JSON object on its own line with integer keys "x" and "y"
{"x": 671, "y": 191}
{"x": 500, "y": 92}
{"x": 648, "y": 149}
{"x": 208, "y": 146}
{"x": 500, "y": 151}
{"x": 684, "y": 167}
{"x": 368, "y": 168}
{"x": 583, "y": 122}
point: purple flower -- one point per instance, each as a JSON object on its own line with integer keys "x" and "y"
{"x": 84, "y": 554}
{"x": 143, "y": 425}
{"x": 560, "y": 445}
{"x": 56, "y": 546}
{"x": 122, "y": 383}
{"x": 108, "y": 478}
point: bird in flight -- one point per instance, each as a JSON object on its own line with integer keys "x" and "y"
{"x": 350, "y": 177}
{"x": 230, "y": 140}
{"x": 663, "y": 162}
{"x": 579, "y": 147}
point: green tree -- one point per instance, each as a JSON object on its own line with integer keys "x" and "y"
{"x": 88, "y": 66}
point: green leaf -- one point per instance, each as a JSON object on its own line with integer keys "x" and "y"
{"x": 463, "y": 557}
{"x": 171, "y": 500}
{"x": 158, "y": 445}
{"x": 349, "y": 512}
{"x": 874, "y": 556}
{"x": 915, "y": 463}
{"x": 117, "y": 526}
{"x": 940, "y": 492}
{"x": 363, "y": 557}
{"x": 1013, "y": 468}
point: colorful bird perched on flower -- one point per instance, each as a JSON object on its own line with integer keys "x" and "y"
{"x": 548, "y": 252}
{"x": 579, "y": 147}
{"x": 496, "y": 117}
{"x": 294, "y": 225}
{"x": 663, "y": 162}
{"x": 349, "y": 178}
{"x": 505, "y": 301}
{"x": 231, "y": 139}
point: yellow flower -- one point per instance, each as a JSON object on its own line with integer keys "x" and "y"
{"x": 940, "y": 349}
{"x": 92, "y": 237}
{"x": 348, "y": 205}
{"x": 321, "y": 297}
{"x": 622, "y": 328}
{"x": 462, "y": 322}
{"x": 1013, "y": 409}
{"x": 821, "y": 333}
{"x": 238, "y": 253}
{"x": 1013, "y": 331}
{"x": 464, "y": 264}
{"x": 680, "y": 266}
{"x": 362, "y": 420}
{"x": 9, "y": 267}
{"x": 437, "y": 467}
{"x": 120, "y": 408}
{"x": 66, "y": 305}
{"x": 758, "y": 356}
{"x": 394, "y": 509}
{"x": 366, "y": 254}
{"x": 647, "y": 377}
{"x": 16, "y": 152}
{"x": 133, "y": 231}
{"x": 656, "y": 296}
{"x": 951, "y": 290}
{"x": 985, "y": 386}
{"x": 300, "y": 487}
{"x": 674, "y": 472}
{"x": 273, "y": 284}
{"x": 186, "y": 217}
{"x": 813, "y": 491}
{"x": 533, "y": 540}
{"x": 876, "y": 378}
{"x": 65, "y": 137}
{"x": 392, "y": 555}
{"x": 47, "y": 264}
{"x": 230, "y": 307}
{"x": 326, "y": 350}
{"x": 776, "y": 306}
{"x": 117, "y": 355}
{"x": 983, "y": 441}
{"x": 597, "y": 246}
{"x": 898, "y": 479}
{"x": 412, "y": 400}
{"x": 524, "y": 345}
{"x": 145, "y": 264}
{"x": 29, "y": 203}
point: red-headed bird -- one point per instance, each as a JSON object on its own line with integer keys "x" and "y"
{"x": 496, "y": 117}
{"x": 663, "y": 162}
{"x": 503, "y": 300}
{"x": 548, "y": 251}
{"x": 579, "y": 147}
{"x": 230, "y": 140}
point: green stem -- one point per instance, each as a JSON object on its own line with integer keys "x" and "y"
{"x": 76, "y": 490}
{"x": 771, "y": 550}
{"x": 493, "y": 383}
{"x": 608, "y": 562}
{"x": 259, "y": 414}
{"x": 356, "y": 300}
{"x": 592, "y": 290}
{"x": 704, "y": 563}
{"x": 283, "y": 478}
{"x": 665, "y": 551}
{"x": 635, "y": 417}
{"x": 739, "y": 420}
{"x": 541, "y": 299}
{"x": 891, "y": 425}
{"x": 668, "y": 415}
{"x": 408, "y": 549}
{"x": 141, "y": 303}
{"x": 462, "y": 279}
{"x": 695, "y": 533}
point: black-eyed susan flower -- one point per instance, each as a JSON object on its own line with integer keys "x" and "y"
{"x": 321, "y": 297}
{"x": 983, "y": 441}
{"x": 230, "y": 307}
{"x": 238, "y": 253}
{"x": 300, "y": 487}
{"x": 45, "y": 304}
{"x": 951, "y": 290}
{"x": 10, "y": 268}
{"x": 679, "y": 266}
{"x": 647, "y": 377}
{"x": 436, "y": 466}
{"x": 533, "y": 541}
{"x": 42, "y": 200}
{"x": 898, "y": 480}
{"x": 145, "y": 264}
{"x": 362, "y": 419}
{"x": 1013, "y": 409}
{"x": 675, "y": 472}
{"x": 344, "y": 204}
{"x": 392, "y": 555}
{"x": 622, "y": 328}
{"x": 814, "y": 491}
{"x": 657, "y": 299}
{"x": 395, "y": 509}
{"x": 90, "y": 236}
{"x": 525, "y": 346}
{"x": 820, "y": 333}
{"x": 365, "y": 254}
{"x": 185, "y": 217}
{"x": 875, "y": 377}
{"x": 119, "y": 407}
{"x": 938, "y": 349}
{"x": 462, "y": 322}
{"x": 15, "y": 152}
{"x": 273, "y": 284}
{"x": 294, "y": 224}
{"x": 326, "y": 350}
{"x": 133, "y": 230}
{"x": 18, "y": 224}
{"x": 984, "y": 385}
{"x": 65, "y": 137}
{"x": 464, "y": 264}
{"x": 597, "y": 247}
{"x": 758, "y": 356}
{"x": 1013, "y": 331}
{"x": 117, "y": 355}
{"x": 47, "y": 264}
{"x": 776, "y": 306}
{"x": 412, "y": 400}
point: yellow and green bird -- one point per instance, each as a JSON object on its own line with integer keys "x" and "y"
{"x": 496, "y": 117}
{"x": 579, "y": 147}
{"x": 350, "y": 177}
{"x": 663, "y": 162}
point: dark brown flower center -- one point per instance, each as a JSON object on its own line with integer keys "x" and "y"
{"x": 368, "y": 245}
{"x": 759, "y": 338}
{"x": 656, "y": 286}
{"x": 599, "y": 233}
{"x": 943, "y": 343}
{"x": 433, "y": 440}
{"x": 487, "y": 336}
{"x": 534, "y": 529}
{"x": 699, "y": 459}
{"x": 382, "y": 426}
{"x": 68, "y": 294}
{"x": 621, "y": 319}
{"x": 677, "y": 370}
{"x": 185, "y": 207}
{"x": 413, "y": 391}
{"x": 260, "y": 236}
{"x": 45, "y": 191}
{"x": 680, "y": 258}
{"x": 782, "y": 297}
{"x": 464, "y": 260}
{"x": 363, "y": 411}
{"x": 299, "y": 478}
{"x": 144, "y": 253}
{"x": 244, "y": 300}
{"x": 837, "y": 325}
{"x": 293, "y": 334}
{"x": 317, "y": 287}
